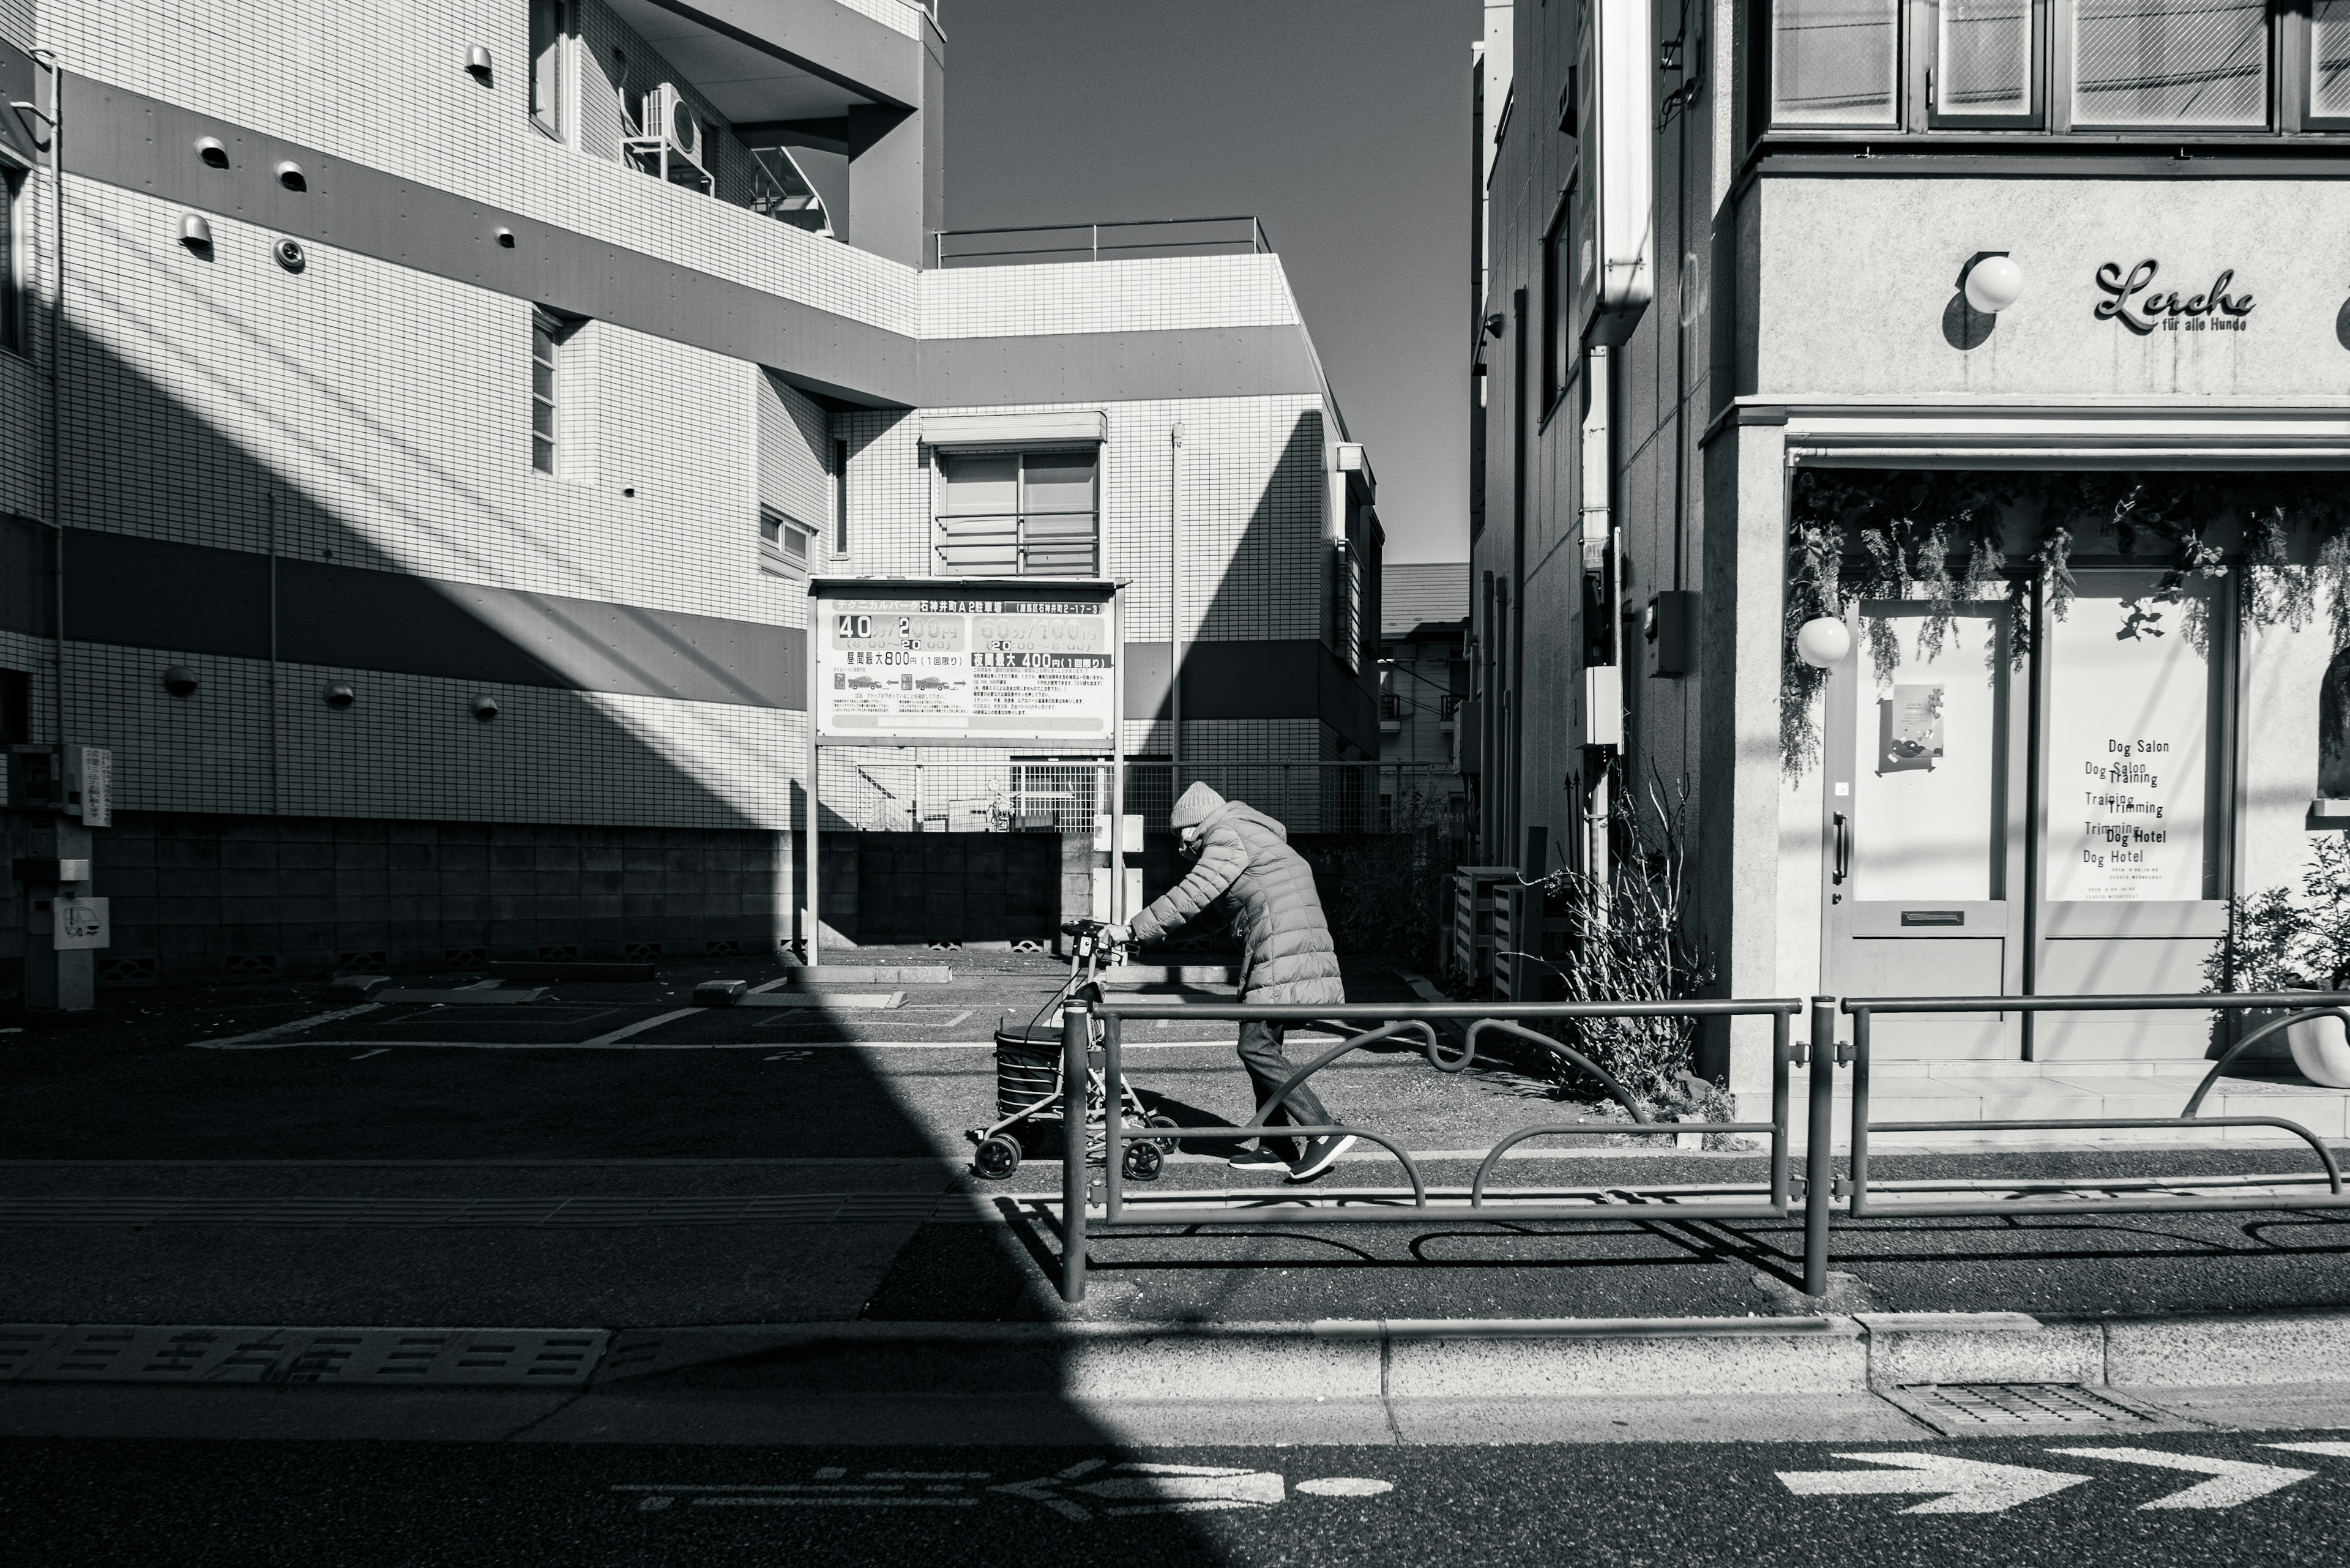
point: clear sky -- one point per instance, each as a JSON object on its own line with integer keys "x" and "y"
{"x": 1343, "y": 125}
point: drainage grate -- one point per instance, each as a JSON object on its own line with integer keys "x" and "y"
{"x": 1957, "y": 1409}
{"x": 533, "y": 1357}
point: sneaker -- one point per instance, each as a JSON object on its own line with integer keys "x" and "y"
{"x": 1249, "y": 1159}
{"x": 1320, "y": 1155}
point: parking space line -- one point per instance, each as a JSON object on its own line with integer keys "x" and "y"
{"x": 263, "y": 1038}
{"x": 641, "y": 1026}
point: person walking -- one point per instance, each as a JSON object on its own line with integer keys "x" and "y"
{"x": 1286, "y": 954}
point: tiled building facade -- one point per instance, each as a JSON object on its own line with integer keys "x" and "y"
{"x": 473, "y": 472}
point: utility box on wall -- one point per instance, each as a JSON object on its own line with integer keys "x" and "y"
{"x": 1668, "y": 632}
{"x": 1599, "y": 708}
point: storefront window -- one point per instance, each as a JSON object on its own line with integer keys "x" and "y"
{"x": 2329, "y": 59}
{"x": 2159, "y": 63}
{"x": 1833, "y": 62}
{"x": 2129, "y": 745}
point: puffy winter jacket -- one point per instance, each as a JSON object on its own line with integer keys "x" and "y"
{"x": 1287, "y": 952}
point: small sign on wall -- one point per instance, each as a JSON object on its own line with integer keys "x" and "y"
{"x": 89, "y": 785}
{"x": 80, "y": 923}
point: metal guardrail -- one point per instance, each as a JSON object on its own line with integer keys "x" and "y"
{"x": 2295, "y": 1005}
{"x": 1027, "y": 243}
{"x": 1117, "y": 1210}
{"x": 1120, "y": 1211}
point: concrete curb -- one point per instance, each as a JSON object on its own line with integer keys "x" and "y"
{"x": 1548, "y": 1358}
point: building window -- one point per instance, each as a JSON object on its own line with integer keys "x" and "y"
{"x": 840, "y": 498}
{"x": 1390, "y": 706}
{"x": 546, "y": 338}
{"x": 1557, "y": 314}
{"x": 2154, "y": 66}
{"x": 2159, "y": 63}
{"x": 1985, "y": 69}
{"x": 12, "y": 268}
{"x": 1833, "y": 62}
{"x": 1031, "y": 514}
{"x": 786, "y": 545}
{"x": 546, "y": 66}
{"x": 1449, "y": 705}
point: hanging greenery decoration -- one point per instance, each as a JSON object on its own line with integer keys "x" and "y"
{"x": 1947, "y": 538}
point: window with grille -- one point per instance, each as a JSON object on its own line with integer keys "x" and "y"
{"x": 1021, "y": 514}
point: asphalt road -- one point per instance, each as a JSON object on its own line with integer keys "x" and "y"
{"x": 1620, "y": 1503}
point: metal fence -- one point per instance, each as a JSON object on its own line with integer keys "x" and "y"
{"x": 1094, "y": 1204}
{"x": 1146, "y": 237}
{"x": 875, "y": 790}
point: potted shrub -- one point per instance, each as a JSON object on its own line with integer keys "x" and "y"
{"x": 2296, "y": 938}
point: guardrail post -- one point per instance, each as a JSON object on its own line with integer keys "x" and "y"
{"x": 1074, "y": 1041}
{"x": 1819, "y": 1165}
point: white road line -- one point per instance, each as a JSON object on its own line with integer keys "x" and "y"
{"x": 2233, "y": 1480}
{"x": 377, "y": 1052}
{"x": 617, "y": 1035}
{"x": 957, "y": 1017}
{"x": 262, "y": 1037}
{"x": 2334, "y": 1450}
{"x": 835, "y": 1501}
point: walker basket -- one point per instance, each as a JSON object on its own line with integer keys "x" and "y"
{"x": 1028, "y": 1069}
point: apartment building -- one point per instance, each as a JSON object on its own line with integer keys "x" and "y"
{"x": 421, "y": 435}
{"x": 1916, "y": 431}
{"x": 1423, "y": 672}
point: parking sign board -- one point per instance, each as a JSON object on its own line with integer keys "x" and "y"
{"x": 963, "y": 661}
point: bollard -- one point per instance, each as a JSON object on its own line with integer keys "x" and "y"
{"x": 1076, "y": 1040}
{"x": 1819, "y": 1165}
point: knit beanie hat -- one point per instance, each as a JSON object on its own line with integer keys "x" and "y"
{"x": 1198, "y": 803}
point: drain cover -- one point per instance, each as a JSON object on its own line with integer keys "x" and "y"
{"x": 40, "y": 1353}
{"x": 1956, "y": 1409}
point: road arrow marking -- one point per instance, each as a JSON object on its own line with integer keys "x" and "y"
{"x": 1967, "y": 1486}
{"x": 2233, "y": 1480}
{"x": 2335, "y": 1450}
{"x": 1185, "y": 1489}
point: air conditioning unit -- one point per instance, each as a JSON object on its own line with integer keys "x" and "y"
{"x": 671, "y": 123}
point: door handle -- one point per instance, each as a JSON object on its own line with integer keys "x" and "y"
{"x": 1843, "y": 847}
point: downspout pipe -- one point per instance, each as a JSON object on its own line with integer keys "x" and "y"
{"x": 1175, "y": 645}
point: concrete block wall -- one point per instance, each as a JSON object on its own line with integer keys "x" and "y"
{"x": 260, "y": 898}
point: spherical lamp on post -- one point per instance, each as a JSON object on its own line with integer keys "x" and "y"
{"x": 1823, "y": 642}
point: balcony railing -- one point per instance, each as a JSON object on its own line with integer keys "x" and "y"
{"x": 1142, "y": 239}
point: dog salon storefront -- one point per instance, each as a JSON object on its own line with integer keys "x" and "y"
{"x": 2034, "y": 602}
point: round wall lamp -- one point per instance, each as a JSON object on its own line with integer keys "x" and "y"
{"x": 180, "y": 682}
{"x": 1994, "y": 283}
{"x": 1823, "y": 641}
{"x": 339, "y": 696}
{"x": 290, "y": 175}
{"x": 485, "y": 709}
{"x": 210, "y": 150}
{"x": 195, "y": 232}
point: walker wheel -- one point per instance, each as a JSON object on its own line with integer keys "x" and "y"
{"x": 1166, "y": 1145}
{"x": 996, "y": 1158}
{"x": 1143, "y": 1162}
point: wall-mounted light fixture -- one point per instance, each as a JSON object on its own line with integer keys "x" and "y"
{"x": 485, "y": 708}
{"x": 290, "y": 175}
{"x": 1994, "y": 283}
{"x": 477, "y": 62}
{"x": 209, "y": 149}
{"x": 180, "y": 682}
{"x": 339, "y": 696}
{"x": 1823, "y": 641}
{"x": 195, "y": 232}
{"x": 291, "y": 256}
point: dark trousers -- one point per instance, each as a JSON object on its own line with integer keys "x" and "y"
{"x": 1268, "y": 1068}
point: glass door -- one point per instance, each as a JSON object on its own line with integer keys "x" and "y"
{"x": 2133, "y": 848}
{"x": 1925, "y": 826}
